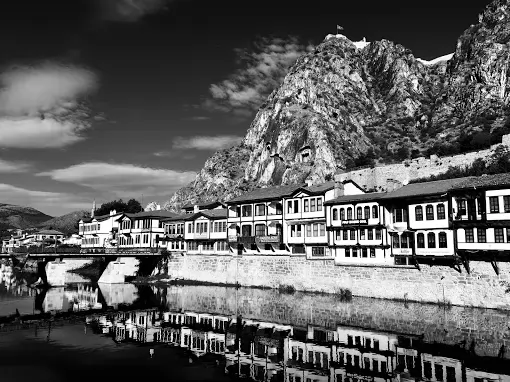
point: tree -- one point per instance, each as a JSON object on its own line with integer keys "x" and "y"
{"x": 132, "y": 206}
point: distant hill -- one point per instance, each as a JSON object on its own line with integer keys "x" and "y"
{"x": 21, "y": 217}
{"x": 65, "y": 223}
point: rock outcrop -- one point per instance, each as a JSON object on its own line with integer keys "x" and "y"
{"x": 348, "y": 104}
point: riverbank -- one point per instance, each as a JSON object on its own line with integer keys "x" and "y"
{"x": 481, "y": 287}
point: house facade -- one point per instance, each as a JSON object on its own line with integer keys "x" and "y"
{"x": 99, "y": 232}
{"x": 143, "y": 231}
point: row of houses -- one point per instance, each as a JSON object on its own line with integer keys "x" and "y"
{"x": 445, "y": 219}
{"x": 23, "y": 238}
{"x": 267, "y": 351}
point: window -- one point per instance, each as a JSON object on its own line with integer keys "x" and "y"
{"x": 470, "y": 237}
{"x": 305, "y": 205}
{"x": 352, "y": 235}
{"x": 295, "y": 230}
{"x": 318, "y": 251}
{"x": 342, "y": 214}
{"x": 442, "y": 240}
{"x": 362, "y": 234}
{"x": 312, "y": 205}
{"x": 431, "y": 240}
{"x": 438, "y": 372}
{"x": 372, "y": 252}
{"x": 322, "y": 229}
{"x": 506, "y": 203}
{"x": 222, "y": 246}
{"x": 349, "y": 213}
{"x": 370, "y": 234}
{"x": 359, "y": 213}
{"x": 420, "y": 240}
{"x": 246, "y": 211}
{"x": 441, "y": 212}
{"x": 378, "y": 234}
{"x": 493, "y": 204}
{"x": 399, "y": 215}
{"x": 481, "y": 235}
{"x": 335, "y": 214}
{"x": 367, "y": 212}
{"x": 418, "y": 211}
{"x": 462, "y": 207}
{"x": 278, "y": 209}
{"x": 289, "y": 207}
{"x": 355, "y": 252}
{"x": 296, "y": 206}
{"x": 429, "y": 212}
{"x": 404, "y": 243}
{"x": 260, "y": 230}
{"x": 344, "y": 234}
{"x": 347, "y": 252}
{"x": 364, "y": 252}
{"x": 338, "y": 234}
{"x": 499, "y": 236}
{"x": 260, "y": 210}
{"x": 375, "y": 212}
{"x": 308, "y": 230}
{"x": 246, "y": 230}
{"x": 319, "y": 204}
{"x": 190, "y": 228}
{"x": 315, "y": 230}
{"x": 396, "y": 241}
{"x": 208, "y": 245}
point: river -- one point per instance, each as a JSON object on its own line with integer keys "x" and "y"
{"x": 88, "y": 331}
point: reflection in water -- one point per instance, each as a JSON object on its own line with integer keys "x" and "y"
{"x": 267, "y": 336}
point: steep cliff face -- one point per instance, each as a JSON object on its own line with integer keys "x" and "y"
{"x": 354, "y": 103}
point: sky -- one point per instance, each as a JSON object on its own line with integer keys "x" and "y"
{"x": 108, "y": 99}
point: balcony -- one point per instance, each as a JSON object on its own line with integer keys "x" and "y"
{"x": 201, "y": 235}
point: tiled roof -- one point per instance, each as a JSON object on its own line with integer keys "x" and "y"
{"x": 151, "y": 214}
{"x": 267, "y": 193}
{"x": 320, "y": 188}
{"x": 212, "y": 214}
{"x": 201, "y": 204}
{"x": 48, "y": 232}
{"x": 485, "y": 181}
{"x": 436, "y": 187}
{"x": 356, "y": 198}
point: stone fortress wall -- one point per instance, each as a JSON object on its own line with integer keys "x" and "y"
{"x": 376, "y": 177}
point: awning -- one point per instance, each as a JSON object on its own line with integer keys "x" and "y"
{"x": 274, "y": 224}
{"x": 399, "y": 230}
{"x": 232, "y": 225}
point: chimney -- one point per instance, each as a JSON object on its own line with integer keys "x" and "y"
{"x": 195, "y": 209}
{"x": 339, "y": 185}
{"x": 392, "y": 185}
{"x": 158, "y": 207}
{"x": 93, "y": 209}
{"x": 309, "y": 182}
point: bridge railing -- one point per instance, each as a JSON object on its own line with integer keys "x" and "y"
{"x": 46, "y": 250}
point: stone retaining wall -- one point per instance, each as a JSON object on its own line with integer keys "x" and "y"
{"x": 437, "y": 284}
{"x": 447, "y": 325}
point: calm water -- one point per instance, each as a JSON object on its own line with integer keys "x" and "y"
{"x": 87, "y": 331}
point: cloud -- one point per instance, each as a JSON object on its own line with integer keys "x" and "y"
{"x": 206, "y": 142}
{"x": 263, "y": 70}
{"x": 42, "y": 200}
{"x": 11, "y": 167}
{"x": 42, "y": 106}
{"x": 123, "y": 179}
{"x": 200, "y": 118}
{"x": 130, "y": 10}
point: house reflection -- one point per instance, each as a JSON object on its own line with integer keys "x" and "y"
{"x": 267, "y": 351}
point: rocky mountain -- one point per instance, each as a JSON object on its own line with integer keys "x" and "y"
{"x": 21, "y": 217}
{"x": 65, "y": 223}
{"x": 348, "y": 104}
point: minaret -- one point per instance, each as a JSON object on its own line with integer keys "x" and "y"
{"x": 93, "y": 209}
